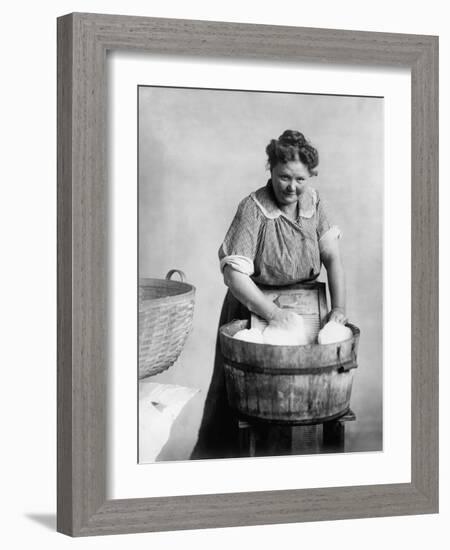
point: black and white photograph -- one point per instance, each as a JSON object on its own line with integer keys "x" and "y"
{"x": 260, "y": 273}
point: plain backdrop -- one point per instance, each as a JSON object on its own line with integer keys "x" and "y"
{"x": 200, "y": 153}
{"x": 28, "y": 275}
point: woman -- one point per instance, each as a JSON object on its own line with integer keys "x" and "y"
{"x": 279, "y": 236}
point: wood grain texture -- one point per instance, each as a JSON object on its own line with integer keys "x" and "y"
{"x": 64, "y": 294}
{"x": 425, "y": 272}
{"x": 82, "y": 270}
{"x": 83, "y": 40}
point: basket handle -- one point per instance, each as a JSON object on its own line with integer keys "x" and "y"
{"x": 180, "y": 273}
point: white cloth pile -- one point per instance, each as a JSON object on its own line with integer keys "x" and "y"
{"x": 334, "y": 332}
{"x": 250, "y": 335}
{"x": 159, "y": 407}
{"x": 293, "y": 333}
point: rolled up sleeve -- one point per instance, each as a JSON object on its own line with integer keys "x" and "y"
{"x": 323, "y": 225}
{"x": 329, "y": 239}
{"x": 327, "y": 234}
{"x": 240, "y": 245}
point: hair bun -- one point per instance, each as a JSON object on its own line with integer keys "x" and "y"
{"x": 292, "y": 137}
{"x": 292, "y": 146}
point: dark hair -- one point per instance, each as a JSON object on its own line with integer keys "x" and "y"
{"x": 292, "y": 145}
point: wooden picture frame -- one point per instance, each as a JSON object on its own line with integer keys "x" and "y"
{"x": 83, "y": 41}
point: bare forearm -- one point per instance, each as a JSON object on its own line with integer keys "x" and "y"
{"x": 336, "y": 282}
{"x": 245, "y": 290}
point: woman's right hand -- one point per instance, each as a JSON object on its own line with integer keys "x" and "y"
{"x": 283, "y": 318}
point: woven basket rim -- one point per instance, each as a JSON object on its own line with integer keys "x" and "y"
{"x": 185, "y": 289}
{"x": 148, "y": 281}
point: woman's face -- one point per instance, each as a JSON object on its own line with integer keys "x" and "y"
{"x": 289, "y": 181}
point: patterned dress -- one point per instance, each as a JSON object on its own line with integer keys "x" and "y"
{"x": 273, "y": 250}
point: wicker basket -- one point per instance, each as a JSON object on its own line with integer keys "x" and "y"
{"x": 165, "y": 318}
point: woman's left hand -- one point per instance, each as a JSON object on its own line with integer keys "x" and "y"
{"x": 337, "y": 315}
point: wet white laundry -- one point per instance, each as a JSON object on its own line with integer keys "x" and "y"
{"x": 291, "y": 333}
{"x": 333, "y": 332}
{"x": 250, "y": 335}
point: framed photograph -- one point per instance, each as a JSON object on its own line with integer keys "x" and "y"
{"x": 247, "y": 274}
{"x": 180, "y": 193}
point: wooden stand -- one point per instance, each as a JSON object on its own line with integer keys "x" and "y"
{"x": 258, "y": 439}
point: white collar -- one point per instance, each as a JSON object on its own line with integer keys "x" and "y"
{"x": 265, "y": 200}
